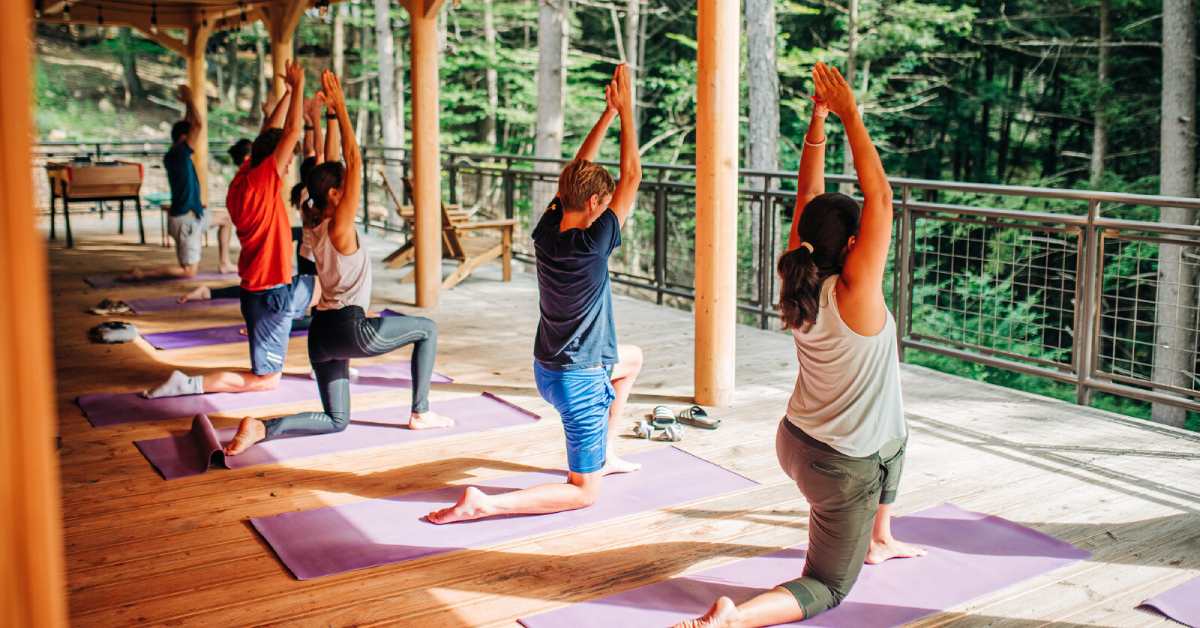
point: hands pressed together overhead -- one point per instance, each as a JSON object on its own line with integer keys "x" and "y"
{"x": 618, "y": 94}
{"x": 833, "y": 92}
{"x": 331, "y": 89}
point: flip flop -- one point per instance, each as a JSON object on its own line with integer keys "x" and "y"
{"x": 698, "y": 417}
{"x": 643, "y": 429}
{"x": 662, "y": 417}
{"x": 670, "y": 434}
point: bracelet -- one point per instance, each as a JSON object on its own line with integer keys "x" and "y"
{"x": 308, "y": 127}
{"x": 331, "y": 116}
{"x": 814, "y": 144}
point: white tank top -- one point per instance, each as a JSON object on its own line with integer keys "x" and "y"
{"x": 847, "y": 391}
{"x": 345, "y": 279}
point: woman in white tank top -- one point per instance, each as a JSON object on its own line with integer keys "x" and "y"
{"x": 340, "y": 329}
{"x": 844, "y": 434}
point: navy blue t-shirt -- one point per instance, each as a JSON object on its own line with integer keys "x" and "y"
{"x": 576, "y": 329}
{"x": 185, "y": 185}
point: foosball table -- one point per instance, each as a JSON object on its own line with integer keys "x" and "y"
{"x": 97, "y": 182}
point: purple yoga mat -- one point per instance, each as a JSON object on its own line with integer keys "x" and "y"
{"x": 332, "y": 540}
{"x": 191, "y": 453}
{"x": 161, "y": 304}
{"x": 103, "y": 409}
{"x": 1181, "y": 603}
{"x": 109, "y": 280}
{"x": 970, "y": 554}
{"x": 223, "y": 334}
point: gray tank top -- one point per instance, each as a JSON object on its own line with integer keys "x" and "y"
{"x": 847, "y": 392}
{"x": 345, "y": 279}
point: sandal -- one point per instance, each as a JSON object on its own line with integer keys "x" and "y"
{"x": 670, "y": 434}
{"x": 107, "y": 307}
{"x": 698, "y": 417}
{"x": 643, "y": 429}
{"x": 662, "y": 417}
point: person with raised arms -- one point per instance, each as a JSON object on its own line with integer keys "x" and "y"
{"x": 340, "y": 329}
{"x": 271, "y": 297}
{"x": 844, "y": 435}
{"x": 578, "y": 366}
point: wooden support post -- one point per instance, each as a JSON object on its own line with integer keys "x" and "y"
{"x": 426, "y": 149}
{"x": 197, "y": 74}
{"x": 282, "y": 19}
{"x": 717, "y": 34}
{"x": 32, "y": 579}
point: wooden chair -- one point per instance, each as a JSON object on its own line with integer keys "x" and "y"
{"x": 463, "y": 239}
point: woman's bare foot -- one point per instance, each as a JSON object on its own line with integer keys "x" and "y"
{"x": 616, "y": 464}
{"x": 249, "y": 431}
{"x": 428, "y": 420}
{"x": 474, "y": 504}
{"x": 887, "y": 549}
{"x": 723, "y": 614}
{"x": 203, "y": 293}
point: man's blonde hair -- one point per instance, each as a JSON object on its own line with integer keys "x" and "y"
{"x": 579, "y": 180}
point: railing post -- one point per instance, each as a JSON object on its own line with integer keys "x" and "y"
{"x": 510, "y": 209}
{"x": 902, "y": 267}
{"x": 1087, "y": 299}
{"x": 765, "y": 247}
{"x": 452, "y": 174}
{"x": 366, "y": 190}
{"x": 660, "y": 237}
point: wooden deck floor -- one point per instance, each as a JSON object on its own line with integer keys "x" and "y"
{"x": 144, "y": 551}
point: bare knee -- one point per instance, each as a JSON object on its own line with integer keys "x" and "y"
{"x": 630, "y": 359}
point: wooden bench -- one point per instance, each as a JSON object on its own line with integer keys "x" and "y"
{"x": 463, "y": 239}
{"x": 86, "y": 181}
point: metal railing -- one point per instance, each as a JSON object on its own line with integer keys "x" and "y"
{"x": 1037, "y": 281}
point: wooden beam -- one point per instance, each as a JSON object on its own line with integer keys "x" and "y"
{"x": 160, "y": 36}
{"x": 426, "y": 154}
{"x": 32, "y": 577}
{"x": 717, "y": 37}
{"x": 197, "y": 74}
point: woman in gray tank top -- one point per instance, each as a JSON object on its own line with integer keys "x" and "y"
{"x": 844, "y": 434}
{"x": 340, "y": 329}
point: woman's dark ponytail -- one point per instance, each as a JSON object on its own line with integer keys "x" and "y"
{"x": 800, "y": 289}
{"x": 297, "y": 193}
{"x": 826, "y": 226}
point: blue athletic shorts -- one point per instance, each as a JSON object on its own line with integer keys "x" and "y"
{"x": 582, "y": 398}
{"x": 269, "y": 315}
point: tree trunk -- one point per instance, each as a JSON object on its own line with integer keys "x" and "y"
{"x": 851, "y": 67}
{"x": 338, "y": 45}
{"x": 1099, "y": 125}
{"x": 552, "y": 39}
{"x": 763, "y": 129}
{"x": 362, "y": 125}
{"x": 1015, "y": 80}
{"x": 133, "y": 84}
{"x": 389, "y": 109}
{"x": 1175, "y": 311}
{"x": 231, "y": 60}
{"x": 398, "y": 81}
{"x": 632, "y": 19}
{"x": 985, "y": 120}
{"x": 260, "y": 78}
{"x": 491, "y": 78}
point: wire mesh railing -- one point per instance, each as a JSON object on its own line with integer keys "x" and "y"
{"x": 1057, "y": 284}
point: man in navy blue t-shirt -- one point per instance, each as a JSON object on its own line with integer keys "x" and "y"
{"x": 578, "y": 366}
{"x": 186, "y": 217}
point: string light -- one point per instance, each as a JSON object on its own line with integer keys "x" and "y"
{"x": 242, "y": 6}
{"x": 153, "y": 17}
{"x": 66, "y": 13}
{"x": 37, "y": 9}
{"x": 99, "y": 15}
{"x": 203, "y": 19}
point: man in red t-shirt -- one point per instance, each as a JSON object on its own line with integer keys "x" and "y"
{"x": 270, "y": 296}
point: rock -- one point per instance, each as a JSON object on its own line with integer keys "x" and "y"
{"x": 105, "y": 105}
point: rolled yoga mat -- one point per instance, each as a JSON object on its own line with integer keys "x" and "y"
{"x": 374, "y": 532}
{"x": 168, "y": 303}
{"x": 970, "y": 554}
{"x": 223, "y": 334}
{"x": 193, "y": 452}
{"x": 1181, "y": 603}
{"x": 109, "y": 280}
{"x": 103, "y": 409}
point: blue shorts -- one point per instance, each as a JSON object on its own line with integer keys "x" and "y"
{"x": 269, "y": 315}
{"x": 582, "y": 398}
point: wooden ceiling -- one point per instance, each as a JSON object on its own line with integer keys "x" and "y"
{"x": 151, "y": 15}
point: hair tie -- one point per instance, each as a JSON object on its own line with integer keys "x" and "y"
{"x": 806, "y": 245}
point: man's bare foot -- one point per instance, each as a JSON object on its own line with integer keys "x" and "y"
{"x": 474, "y": 504}
{"x": 203, "y": 293}
{"x": 242, "y": 332}
{"x": 616, "y": 464}
{"x": 428, "y": 420}
{"x": 249, "y": 431}
{"x": 723, "y": 614}
{"x": 227, "y": 268}
{"x": 885, "y": 550}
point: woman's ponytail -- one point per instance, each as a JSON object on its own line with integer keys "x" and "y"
{"x": 297, "y": 193}
{"x": 800, "y": 289}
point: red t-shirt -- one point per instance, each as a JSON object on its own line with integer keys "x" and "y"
{"x": 256, "y": 207}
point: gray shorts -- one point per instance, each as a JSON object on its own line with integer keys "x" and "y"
{"x": 188, "y": 232}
